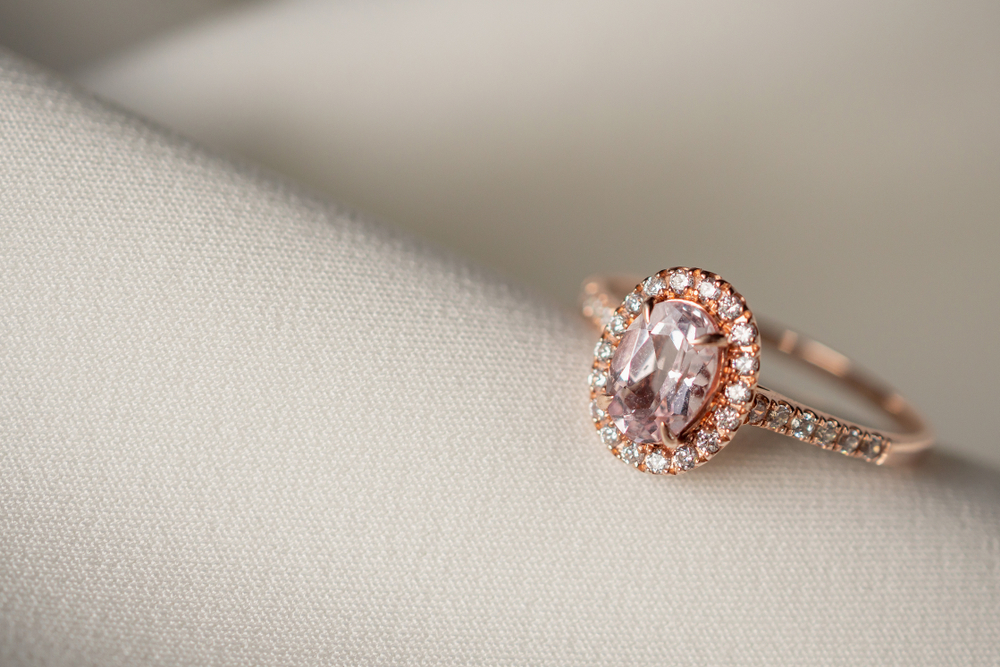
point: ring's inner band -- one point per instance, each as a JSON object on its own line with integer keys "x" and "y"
{"x": 915, "y": 435}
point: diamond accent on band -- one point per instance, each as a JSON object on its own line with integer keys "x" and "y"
{"x": 633, "y": 303}
{"x": 730, "y": 307}
{"x": 658, "y": 376}
{"x": 598, "y": 379}
{"x": 603, "y": 350}
{"x": 653, "y": 286}
{"x": 738, "y": 393}
{"x": 777, "y": 418}
{"x": 617, "y": 326}
{"x": 743, "y": 334}
{"x": 685, "y": 457}
{"x": 680, "y": 281}
{"x": 746, "y": 364}
{"x": 708, "y": 289}
{"x": 802, "y": 425}
{"x": 630, "y": 453}
{"x": 708, "y": 441}
{"x": 873, "y": 447}
{"x": 728, "y": 418}
{"x": 656, "y": 462}
{"x": 849, "y": 441}
{"x": 758, "y": 411}
{"x": 596, "y": 413}
{"x": 826, "y": 433}
{"x": 610, "y": 436}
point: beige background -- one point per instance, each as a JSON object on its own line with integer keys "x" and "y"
{"x": 839, "y": 162}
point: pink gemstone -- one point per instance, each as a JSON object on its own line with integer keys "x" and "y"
{"x": 658, "y": 376}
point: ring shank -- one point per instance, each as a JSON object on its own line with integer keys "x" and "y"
{"x": 601, "y": 295}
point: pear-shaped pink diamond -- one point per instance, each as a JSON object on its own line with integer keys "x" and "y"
{"x": 658, "y": 376}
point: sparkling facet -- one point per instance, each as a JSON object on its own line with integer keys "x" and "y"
{"x": 596, "y": 413}
{"x": 610, "y": 435}
{"x": 598, "y": 379}
{"x": 730, "y": 307}
{"x": 727, "y": 418}
{"x": 658, "y": 376}
{"x": 685, "y": 457}
{"x": 778, "y": 416}
{"x": 680, "y": 281}
{"x": 633, "y": 303}
{"x": 617, "y": 325}
{"x": 631, "y": 453}
{"x": 708, "y": 441}
{"x": 707, "y": 289}
{"x": 653, "y": 285}
{"x": 849, "y": 441}
{"x": 603, "y": 350}
{"x": 743, "y": 334}
{"x": 873, "y": 447}
{"x": 746, "y": 364}
{"x": 656, "y": 462}
{"x": 738, "y": 393}
{"x": 758, "y": 410}
{"x": 826, "y": 433}
{"x": 802, "y": 425}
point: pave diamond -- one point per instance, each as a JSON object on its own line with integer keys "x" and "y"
{"x": 617, "y": 325}
{"x": 802, "y": 425}
{"x": 873, "y": 447}
{"x": 685, "y": 457}
{"x": 653, "y": 285}
{"x": 707, "y": 289}
{"x": 849, "y": 441}
{"x": 738, "y": 393}
{"x": 603, "y": 350}
{"x": 680, "y": 281}
{"x": 630, "y": 453}
{"x": 730, "y": 307}
{"x": 728, "y": 418}
{"x": 633, "y": 303}
{"x": 708, "y": 441}
{"x": 778, "y": 416}
{"x": 610, "y": 435}
{"x": 658, "y": 377}
{"x": 598, "y": 379}
{"x": 746, "y": 364}
{"x": 743, "y": 334}
{"x": 596, "y": 413}
{"x": 758, "y": 410}
{"x": 656, "y": 462}
{"x": 826, "y": 433}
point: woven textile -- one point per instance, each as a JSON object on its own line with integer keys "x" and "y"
{"x": 240, "y": 426}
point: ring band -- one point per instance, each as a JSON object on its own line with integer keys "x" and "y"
{"x": 675, "y": 376}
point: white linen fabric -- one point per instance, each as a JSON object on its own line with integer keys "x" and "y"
{"x": 241, "y": 426}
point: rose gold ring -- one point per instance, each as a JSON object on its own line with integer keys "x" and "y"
{"x": 675, "y": 376}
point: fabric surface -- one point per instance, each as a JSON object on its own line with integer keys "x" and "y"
{"x": 241, "y": 426}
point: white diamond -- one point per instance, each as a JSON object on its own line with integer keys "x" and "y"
{"x": 656, "y": 462}
{"x": 633, "y": 303}
{"x": 738, "y": 393}
{"x": 596, "y": 413}
{"x": 617, "y": 325}
{"x": 743, "y": 334}
{"x": 708, "y": 441}
{"x": 680, "y": 281}
{"x": 685, "y": 457}
{"x": 653, "y": 285}
{"x": 598, "y": 379}
{"x": 730, "y": 307}
{"x": 603, "y": 350}
{"x": 802, "y": 425}
{"x": 708, "y": 290}
{"x": 727, "y": 418}
{"x": 745, "y": 365}
{"x": 609, "y": 434}
{"x": 631, "y": 453}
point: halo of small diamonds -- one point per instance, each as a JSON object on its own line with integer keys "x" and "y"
{"x": 730, "y": 401}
